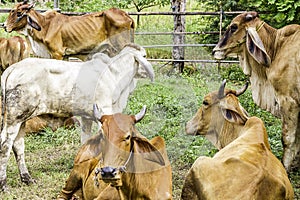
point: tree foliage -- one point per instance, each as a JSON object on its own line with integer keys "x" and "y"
{"x": 96, "y": 5}
{"x": 277, "y": 12}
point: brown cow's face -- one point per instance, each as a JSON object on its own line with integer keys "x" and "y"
{"x": 17, "y": 19}
{"x": 201, "y": 122}
{"x": 118, "y": 131}
{"x": 121, "y": 144}
{"x": 217, "y": 107}
{"x": 233, "y": 40}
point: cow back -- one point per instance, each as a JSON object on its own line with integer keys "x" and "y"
{"x": 244, "y": 169}
{"x": 12, "y": 50}
{"x": 82, "y": 36}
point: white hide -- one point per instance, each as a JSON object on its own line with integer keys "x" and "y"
{"x": 38, "y": 86}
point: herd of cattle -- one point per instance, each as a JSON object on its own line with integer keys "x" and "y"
{"x": 119, "y": 162}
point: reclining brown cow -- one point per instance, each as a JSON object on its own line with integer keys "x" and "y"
{"x": 54, "y": 35}
{"x": 245, "y": 167}
{"x": 12, "y": 50}
{"x": 120, "y": 163}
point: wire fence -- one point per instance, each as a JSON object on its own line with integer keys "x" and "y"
{"x": 171, "y": 33}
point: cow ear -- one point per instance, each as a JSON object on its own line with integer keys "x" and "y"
{"x": 33, "y": 23}
{"x": 232, "y": 111}
{"x": 235, "y": 117}
{"x": 256, "y": 48}
{"x": 144, "y": 62}
{"x": 144, "y": 148}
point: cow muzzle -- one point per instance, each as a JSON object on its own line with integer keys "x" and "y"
{"x": 109, "y": 172}
{"x": 218, "y": 54}
{"x": 109, "y": 175}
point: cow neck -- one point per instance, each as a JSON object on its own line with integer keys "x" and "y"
{"x": 228, "y": 133}
{"x": 44, "y": 24}
{"x": 262, "y": 90}
{"x": 124, "y": 167}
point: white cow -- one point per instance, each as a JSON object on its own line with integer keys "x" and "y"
{"x": 37, "y": 86}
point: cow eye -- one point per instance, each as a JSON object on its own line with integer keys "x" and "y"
{"x": 205, "y": 103}
{"x": 127, "y": 138}
{"x": 233, "y": 28}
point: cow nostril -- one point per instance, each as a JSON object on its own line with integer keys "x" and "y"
{"x": 108, "y": 172}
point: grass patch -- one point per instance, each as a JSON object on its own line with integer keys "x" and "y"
{"x": 171, "y": 102}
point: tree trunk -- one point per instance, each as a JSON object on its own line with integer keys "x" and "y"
{"x": 179, "y": 26}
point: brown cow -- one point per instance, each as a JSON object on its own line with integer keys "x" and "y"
{"x": 271, "y": 58}
{"x": 245, "y": 167}
{"x": 54, "y": 35}
{"x": 12, "y": 50}
{"x": 39, "y": 123}
{"x": 120, "y": 159}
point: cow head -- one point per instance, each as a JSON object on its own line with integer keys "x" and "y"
{"x": 220, "y": 114}
{"x": 243, "y": 30}
{"x": 121, "y": 144}
{"x": 19, "y": 17}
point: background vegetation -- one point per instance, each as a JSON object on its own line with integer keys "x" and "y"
{"x": 171, "y": 101}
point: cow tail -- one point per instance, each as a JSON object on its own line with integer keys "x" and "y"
{"x": 144, "y": 62}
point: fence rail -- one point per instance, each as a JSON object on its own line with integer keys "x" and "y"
{"x": 220, "y": 14}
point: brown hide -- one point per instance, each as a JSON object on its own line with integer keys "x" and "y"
{"x": 271, "y": 57}
{"x": 39, "y": 123}
{"x": 148, "y": 171}
{"x": 12, "y": 50}
{"x": 59, "y": 36}
{"x": 245, "y": 167}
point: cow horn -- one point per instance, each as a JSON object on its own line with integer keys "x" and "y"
{"x": 96, "y": 111}
{"x": 242, "y": 90}
{"x": 222, "y": 89}
{"x": 141, "y": 114}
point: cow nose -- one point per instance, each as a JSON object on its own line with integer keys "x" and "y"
{"x": 108, "y": 172}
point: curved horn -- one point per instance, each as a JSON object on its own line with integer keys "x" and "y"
{"x": 96, "y": 111}
{"x": 141, "y": 114}
{"x": 222, "y": 89}
{"x": 242, "y": 90}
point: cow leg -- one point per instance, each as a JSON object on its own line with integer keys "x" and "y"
{"x": 290, "y": 129}
{"x": 73, "y": 184}
{"x": 78, "y": 175}
{"x": 189, "y": 190}
{"x": 10, "y": 132}
{"x": 86, "y": 129}
{"x": 18, "y": 149}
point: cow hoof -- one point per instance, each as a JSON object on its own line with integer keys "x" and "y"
{"x": 26, "y": 178}
{"x": 3, "y": 185}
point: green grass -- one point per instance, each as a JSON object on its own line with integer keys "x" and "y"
{"x": 171, "y": 102}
